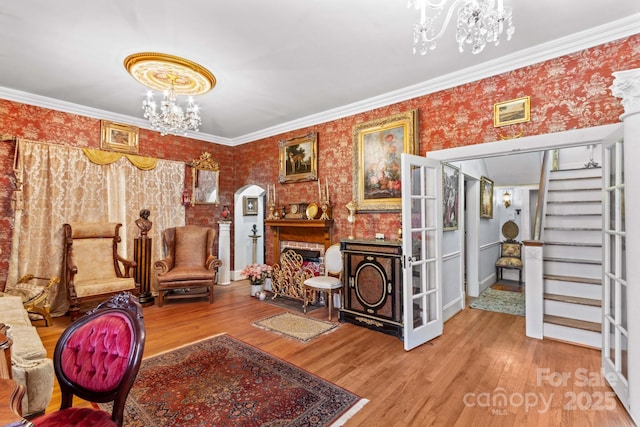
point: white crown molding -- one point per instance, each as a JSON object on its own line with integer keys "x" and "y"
{"x": 95, "y": 113}
{"x": 575, "y": 42}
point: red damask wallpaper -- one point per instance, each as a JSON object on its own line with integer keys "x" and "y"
{"x": 566, "y": 93}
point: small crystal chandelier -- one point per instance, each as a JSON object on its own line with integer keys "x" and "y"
{"x": 479, "y": 22}
{"x": 173, "y": 76}
{"x": 170, "y": 118}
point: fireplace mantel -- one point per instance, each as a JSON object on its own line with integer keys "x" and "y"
{"x": 300, "y": 230}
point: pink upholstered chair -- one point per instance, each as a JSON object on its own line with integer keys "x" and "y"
{"x": 97, "y": 359}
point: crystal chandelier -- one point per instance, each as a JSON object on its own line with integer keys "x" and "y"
{"x": 171, "y": 118}
{"x": 173, "y": 76}
{"x": 479, "y": 22}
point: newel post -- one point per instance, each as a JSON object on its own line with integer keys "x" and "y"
{"x": 534, "y": 289}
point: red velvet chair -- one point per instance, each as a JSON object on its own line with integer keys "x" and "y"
{"x": 97, "y": 359}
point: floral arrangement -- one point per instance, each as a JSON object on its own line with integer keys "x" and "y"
{"x": 256, "y": 272}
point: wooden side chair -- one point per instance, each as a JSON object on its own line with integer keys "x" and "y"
{"x": 331, "y": 281}
{"x": 510, "y": 251}
{"x": 97, "y": 358}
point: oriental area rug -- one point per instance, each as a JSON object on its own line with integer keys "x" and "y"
{"x": 500, "y": 301}
{"x": 222, "y": 381}
{"x": 296, "y": 326}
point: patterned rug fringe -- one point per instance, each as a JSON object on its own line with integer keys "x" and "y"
{"x": 350, "y": 413}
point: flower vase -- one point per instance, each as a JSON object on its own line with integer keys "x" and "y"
{"x": 256, "y": 287}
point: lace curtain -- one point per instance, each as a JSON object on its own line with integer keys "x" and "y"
{"x": 59, "y": 184}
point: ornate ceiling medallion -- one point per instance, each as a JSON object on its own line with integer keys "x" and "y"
{"x": 160, "y": 72}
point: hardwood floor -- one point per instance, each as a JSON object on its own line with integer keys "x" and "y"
{"x": 483, "y": 371}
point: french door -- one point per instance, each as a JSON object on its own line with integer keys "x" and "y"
{"x": 615, "y": 335}
{"x": 421, "y": 248}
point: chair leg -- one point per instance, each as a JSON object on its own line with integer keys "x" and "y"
{"x": 160, "y": 297}
{"x": 211, "y": 294}
{"x": 330, "y": 302}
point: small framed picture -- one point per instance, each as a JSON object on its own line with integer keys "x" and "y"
{"x": 119, "y": 137}
{"x": 486, "y": 197}
{"x": 250, "y": 206}
{"x": 510, "y": 112}
{"x": 450, "y": 196}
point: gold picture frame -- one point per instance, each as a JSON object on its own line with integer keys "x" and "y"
{"x": 118, "y": 137}
{"x": 378, "y": 144}
{"x": 299, "y": 158}
{"x": 250, "y": 206}
{"x": 511, "y": 112}
{"x": 486, "y": 197}
{"x": 205, "y": 180}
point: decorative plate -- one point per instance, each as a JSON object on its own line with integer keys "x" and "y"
{"x": 312, "y": 210}
{"x": 510, "y": 230}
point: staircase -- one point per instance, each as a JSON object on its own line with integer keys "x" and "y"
{"x": 572, "y": 257}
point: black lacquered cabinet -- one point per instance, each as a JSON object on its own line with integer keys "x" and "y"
{"x": 372, "y": 275}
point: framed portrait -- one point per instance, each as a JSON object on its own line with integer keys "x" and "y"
{"x": 510, "y": 112}
{"x": 378, "y": 144}
{"x": 299, "y": 158}
{"x": 250, "y": 206}
{"x": 486, "y": 197}
{"x": 118, "y": 137}
{"x": 450, "y": 196}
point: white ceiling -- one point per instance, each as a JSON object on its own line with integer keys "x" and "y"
{"x": 280, "y": 64}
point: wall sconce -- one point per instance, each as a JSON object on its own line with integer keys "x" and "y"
{"x": 506, "y": 199}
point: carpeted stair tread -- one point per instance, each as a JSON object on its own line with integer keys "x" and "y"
{"x": 573, "y": 323}
{"x": 573, "y": 300}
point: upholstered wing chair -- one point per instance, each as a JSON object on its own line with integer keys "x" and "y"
{"x": 190, "y": 263}
{"x": 93, "y": 267}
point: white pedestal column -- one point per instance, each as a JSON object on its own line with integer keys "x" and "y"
{"x": 224, "y": 252}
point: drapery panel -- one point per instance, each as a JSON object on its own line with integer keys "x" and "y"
{"x": 59, "y": 184}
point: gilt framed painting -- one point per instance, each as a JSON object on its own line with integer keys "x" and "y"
{"x": 486, "y": 197}
{"x": 378, "y": 144}
{"x": 299, "y": 158}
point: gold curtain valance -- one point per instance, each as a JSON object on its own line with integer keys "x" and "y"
{"x": 100, "y": 157}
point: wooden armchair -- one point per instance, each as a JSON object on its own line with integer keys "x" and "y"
{"x": 190, "y": 264}
{"x": 93, "y": 268}
{"x": 34, "y": 295}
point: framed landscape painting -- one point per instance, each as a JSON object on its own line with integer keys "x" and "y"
{"x": 378, "y": 144}
{"x": 486, "y": 197}
{"x": 299, "y": 158}
{"x": 450, "y": 196}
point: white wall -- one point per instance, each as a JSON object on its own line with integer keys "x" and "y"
{"x": 243, "y": 249}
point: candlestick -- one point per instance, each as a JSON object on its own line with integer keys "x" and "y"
{"x": 268, "y": 194}
{"x": 326, "y": 181}
{"x": 319, "y": 190}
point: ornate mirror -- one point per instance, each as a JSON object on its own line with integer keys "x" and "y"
{"x": 205, "y": 180}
